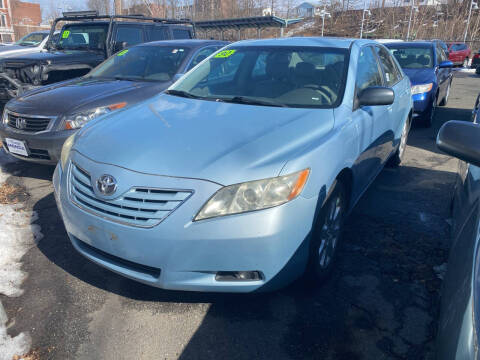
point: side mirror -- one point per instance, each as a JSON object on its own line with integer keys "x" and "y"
{"x": 460, "y": 139}
{"x": 445, "y": 64}
{"x": 375, "y": 96}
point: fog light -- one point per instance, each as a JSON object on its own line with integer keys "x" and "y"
{"x": 238, "y": 276}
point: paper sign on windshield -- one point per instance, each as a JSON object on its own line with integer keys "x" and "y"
{"x": 123, "y": 52}
{"x": 225, "y": 53}
{"x": 65, "y": 34}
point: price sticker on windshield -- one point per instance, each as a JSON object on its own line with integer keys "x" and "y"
{"x": 65, "y": 34}
{"x": 123, "y": 52}
{"x": 225, "y": 53}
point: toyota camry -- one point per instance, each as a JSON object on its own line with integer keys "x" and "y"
{"x": 240, "y": 176}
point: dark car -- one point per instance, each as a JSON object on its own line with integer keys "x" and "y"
{"x": 459, "y": 53}
{"x": 459, "y": 324}
{"x": 476, "y": 62}
{"x": 430, "y": 73}
{"x": 36, "y": 124}
{"x": 84, "y": 42}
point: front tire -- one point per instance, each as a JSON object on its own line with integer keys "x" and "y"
{"x": 427, "y": 118}
{"x": 327, "y": 233}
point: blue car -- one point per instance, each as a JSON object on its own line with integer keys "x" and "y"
{"x": 241, "y": 175}
{"x": 459, "y": 324}
{"x": 430, "y": 72}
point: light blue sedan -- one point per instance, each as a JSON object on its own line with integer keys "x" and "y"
{"x": 241, "y": 175}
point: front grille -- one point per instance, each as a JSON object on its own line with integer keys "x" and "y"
{"x": 28, "y": 123}
{"x": 139, "y": 206}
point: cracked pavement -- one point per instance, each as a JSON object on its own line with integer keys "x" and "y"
{"x": 381, "y": 301}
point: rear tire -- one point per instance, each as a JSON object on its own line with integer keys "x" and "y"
{"x": 397, "y": 158}
{"x": 327, "y": 234}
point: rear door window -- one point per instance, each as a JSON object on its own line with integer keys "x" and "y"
{"x": 160, "y": 33}
{"x": 129, "y": 34}
{"x": 181, "y": 34}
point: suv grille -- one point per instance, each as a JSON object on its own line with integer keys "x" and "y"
{"x": 143, "y": 207}
{"x": 28, "y": 123}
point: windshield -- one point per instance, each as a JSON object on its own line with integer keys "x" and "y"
{"x": 150, "y": 63}
{"x": 32, "y": 39}
{"x": 413, "y": 57}
{"x": 83, "y": 36}
{"x": 271, "y": 76}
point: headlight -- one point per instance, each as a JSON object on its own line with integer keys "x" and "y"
{"x": 254, "y": 195}
{"x": 67, "y": 146}
{"x": 420, "y": 89}
{"x": 5, "y": 117}
{"x": 76, "y": 121}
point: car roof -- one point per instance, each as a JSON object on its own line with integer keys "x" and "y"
{"x": 410, "y": 44}
{"x": 344, "y": 43}
{"x": 185, "y": 42}
{"x": 103, "y": 22}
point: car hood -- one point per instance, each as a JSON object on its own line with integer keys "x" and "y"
{"x": 420, "y": 76}
{"x": 81, "y": 94}
{"x": 15, "y": 48}
{"x": 221, "y": 142}
{"x": 56, "y": 57}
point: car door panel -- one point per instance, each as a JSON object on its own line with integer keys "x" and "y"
{"x": 454, "y": 330}
{"x": 368, "y": 164}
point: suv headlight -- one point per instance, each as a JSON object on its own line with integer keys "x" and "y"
{"x": 420, "y": 89}
{"x": 67, "y": 146}
{"x": 254, "y": 195}
{"x": 76, "y": 121}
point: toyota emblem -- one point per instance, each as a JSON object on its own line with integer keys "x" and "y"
{"x": 106, "y": 185}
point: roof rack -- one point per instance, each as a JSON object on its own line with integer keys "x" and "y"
{"x": 93, "y": 15}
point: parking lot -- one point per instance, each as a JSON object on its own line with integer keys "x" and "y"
{"x": 381, "y": 302}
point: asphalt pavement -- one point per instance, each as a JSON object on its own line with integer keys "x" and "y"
{"x": 381, "y": 302}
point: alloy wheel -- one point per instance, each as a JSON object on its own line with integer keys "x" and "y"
{"x": 403, "y": 140}
{"x": 330, "y": 232}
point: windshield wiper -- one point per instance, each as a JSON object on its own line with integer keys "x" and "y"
{"x": 182, "y": 94}
{"x": 251, "y": 101}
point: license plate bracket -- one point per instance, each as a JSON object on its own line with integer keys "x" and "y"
{"x": 17, "y": 147}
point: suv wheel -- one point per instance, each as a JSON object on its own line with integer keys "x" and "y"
{"x": 326, "y": 233}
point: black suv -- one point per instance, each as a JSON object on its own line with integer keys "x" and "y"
{"x": 84, "y": 42}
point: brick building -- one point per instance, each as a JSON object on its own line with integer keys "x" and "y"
{"x": 18, "y": 18}
{"x": 6, "y": 26}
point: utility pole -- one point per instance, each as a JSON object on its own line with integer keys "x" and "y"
{"x": 323, "y": 16}
{"x": 363, "y": 17}
{"x": 468, "y": 20}
{"x": 410, "y": 19}
{"x": 118, "y": 7}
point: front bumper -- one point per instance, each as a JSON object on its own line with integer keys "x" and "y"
{"x": 180, "y": 254}
{"x": 422, "y": 103}
{"x": 44, "y": 148}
